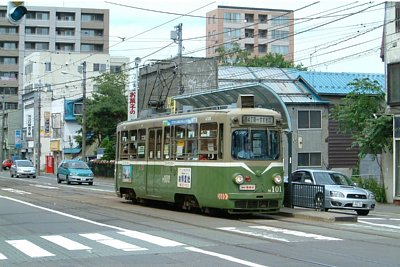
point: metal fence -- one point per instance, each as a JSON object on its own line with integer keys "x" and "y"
{"x": 305, "y": 195}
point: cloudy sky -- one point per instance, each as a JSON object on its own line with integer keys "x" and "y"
{"x": 337, "y": 36}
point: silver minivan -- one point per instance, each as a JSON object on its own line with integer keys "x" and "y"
{"x": 340, "y": 191}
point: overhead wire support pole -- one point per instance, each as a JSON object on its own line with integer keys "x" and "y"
{"x": 2, "y": 129}
{"x": 84, "y": 111}
{"x": 181, "y": 90}
{"x": 39, "y": 144}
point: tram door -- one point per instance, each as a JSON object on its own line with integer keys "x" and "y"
{"x": 153, "y": 175}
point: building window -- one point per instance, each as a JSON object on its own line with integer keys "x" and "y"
{"x": 280, "y": 20}
{"x": 232, "y": 17}
{"x": 397, "y": 17}
{"x": 309, "y": 159}
{"x": 92, "y": 17}
{"x": 78, "y": 109}
{"x": 65, "y": 16}
{"x": 8, "y": 30}
{"x": 262, "y": 18}
{"x": 99, "y": 67}
{"x": 276, "y": 34}
{"x": 47, "y": 66}
{"x": 393, "y": 84}
{"x": 309, "y": 119}
{"x": 8, "y": 45}
{"x": 91, "y": 32}
{"x": 262, "y": 48}
{"x": 231, "y": 33}
{"x": 91, "y": 48}
{"x": 65, "y": 31}
{"x": 280, "y": 49}
{"x": 8, "y": 60}
{"x": 38, "y": 15}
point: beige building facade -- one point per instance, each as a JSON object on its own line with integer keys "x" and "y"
{"x": 256, "y": 30}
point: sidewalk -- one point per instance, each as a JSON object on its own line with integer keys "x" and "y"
{"x": 336, "y": 215}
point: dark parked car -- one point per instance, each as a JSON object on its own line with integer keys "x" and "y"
{"x": 7, "y": 164}
{"x": 340, "y": 191}
{"x": 22, "y": 167}
{"x": 74, "y": 171}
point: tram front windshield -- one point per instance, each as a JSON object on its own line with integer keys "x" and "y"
{"x": 253, "y": 144}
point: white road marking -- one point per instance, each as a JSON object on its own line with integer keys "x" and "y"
{"x": 152, "y": 239}
{"x": 380, "y": 224}
{"x": 2, "y": 257}
{"x": 65, "y": 242}
{"x": 29, "y": 248}
{"x": 222, "y": 256}
{"x": 16, "y": 191}
{"x": 111, "y": 242}
{"x": 225, "y": 257}
{"x": 278, "y": 230}
{"x": 267, "y": 236}
{"x": 44, "y": 186}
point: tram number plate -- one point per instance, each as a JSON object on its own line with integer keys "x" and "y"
{"x": 247, "y": 187}
{"x": 357, "y": 204}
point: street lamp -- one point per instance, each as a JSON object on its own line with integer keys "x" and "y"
{"x": 83, "y": 109}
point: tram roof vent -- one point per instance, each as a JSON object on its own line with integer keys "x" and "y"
{"x": 245, "y": 101}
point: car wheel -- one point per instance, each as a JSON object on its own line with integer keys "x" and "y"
{"x": 67, "y": 180}
{"x": 362, "y": 212}
{"x": 319, "y": 201}
{"x": 90, "y": 183}
{"x": 34, "y": 176}
{"x": 12, "y": 175}
{"x": 58, "y": 179}
{"x": 16, "y": 175}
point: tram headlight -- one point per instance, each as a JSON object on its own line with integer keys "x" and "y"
{"x": 238, "y": 179}
{"x": 277, "y": 178}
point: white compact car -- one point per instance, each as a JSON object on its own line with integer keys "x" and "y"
{"x": 22, "y": 168}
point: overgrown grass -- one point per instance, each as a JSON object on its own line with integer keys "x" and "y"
{"x": 372, "y": 185}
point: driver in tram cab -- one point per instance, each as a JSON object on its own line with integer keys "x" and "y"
{"x": 246, "y": 152}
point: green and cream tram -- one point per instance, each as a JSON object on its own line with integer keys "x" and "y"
{"x": 224, "y": 159}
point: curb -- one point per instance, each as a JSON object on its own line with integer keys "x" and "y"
{"x": 318, "y": 215}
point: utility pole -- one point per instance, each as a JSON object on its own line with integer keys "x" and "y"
{"x": 84, "y": 112}
{"x": 2, "y": 129}
{"x": 177, "y": 37}
{"x": 39, "y": 144}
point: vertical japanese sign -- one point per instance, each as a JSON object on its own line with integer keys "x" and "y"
{"x": 132, "y": 105}
{"x": 17, "y": 139}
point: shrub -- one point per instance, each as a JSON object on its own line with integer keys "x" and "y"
{"x": 372, "y": 185}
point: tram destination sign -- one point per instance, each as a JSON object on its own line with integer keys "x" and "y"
{"x": 261, "y": 120}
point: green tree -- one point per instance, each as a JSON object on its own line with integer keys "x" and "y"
{"x": 235, "y": 56}
{"x": 106, "y": 108}
{"x": 362, "y": 114}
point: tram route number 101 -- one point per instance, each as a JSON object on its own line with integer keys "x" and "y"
{"x": 275, "y": 189}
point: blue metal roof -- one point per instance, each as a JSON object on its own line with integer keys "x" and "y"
{"x": 335, "y": 83}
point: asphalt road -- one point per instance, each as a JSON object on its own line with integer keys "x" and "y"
{"x": 43, "y": 223}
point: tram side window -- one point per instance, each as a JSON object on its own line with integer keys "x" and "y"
{"x": 192, "y": 151}
{"x": 141, "y": 143}
{"x": 208, "y": 141}
{"x": 133, "y": 142}
{"x": 179, "y": 147}
{"x": 167, "y": 142}
{"x": 124, "y": 145}
{"x": 154, "y": 144}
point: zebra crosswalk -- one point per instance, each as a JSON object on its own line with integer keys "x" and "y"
{"x": 117, "y": 242}
{"x": 54, "y": 245}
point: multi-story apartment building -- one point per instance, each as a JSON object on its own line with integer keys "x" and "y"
{"x": 52, "y": 100}
{"x": 257, "y": 30}
{"x": 54, "y": 29}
